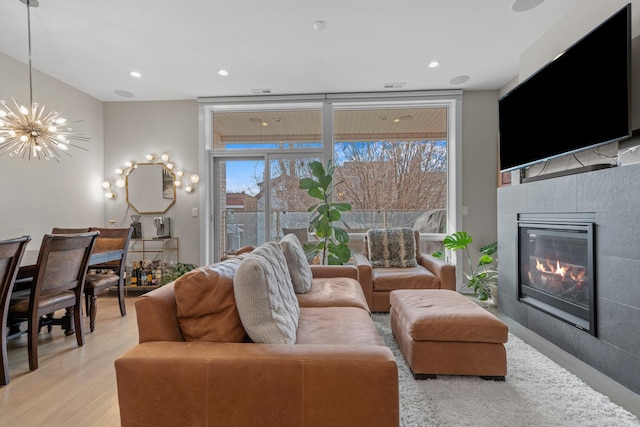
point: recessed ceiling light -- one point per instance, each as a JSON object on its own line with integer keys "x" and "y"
{"x": 434, "y": 64}
{"x": 124, "y": 93}
{"x": 459, "y": 80}
{"x": 402, "y": 118}
{"x": 265, "y": 124}
{"x": 223, "y": 72}
{"x": 524, "y": 5}
{"x": 135, "y": 74}
{"x": 393, "y": 85}
{"x": 320, "y": 25}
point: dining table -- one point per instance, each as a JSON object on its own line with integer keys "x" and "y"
{"x": 30, "y": 260}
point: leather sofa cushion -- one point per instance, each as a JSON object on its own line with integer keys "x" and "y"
{"x": 264, "y": 296}
{"x": 206, "y": 307}
{"x": 336, "y": 325}
{"x": 297, "y": 264}
{"x": 334, "y": 292}
{"x": 389, "y": 279}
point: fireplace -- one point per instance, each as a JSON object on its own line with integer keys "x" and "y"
{"x": 556, "y": 266}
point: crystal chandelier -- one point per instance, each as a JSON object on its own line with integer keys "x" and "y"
{"x": 31, "y": 132}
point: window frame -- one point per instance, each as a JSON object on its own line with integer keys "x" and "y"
{"x": 450, "y": 99}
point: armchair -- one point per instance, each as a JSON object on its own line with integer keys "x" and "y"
{"x": 378, "y": 277}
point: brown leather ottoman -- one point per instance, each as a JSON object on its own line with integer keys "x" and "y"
{"x": 442, "y": 332}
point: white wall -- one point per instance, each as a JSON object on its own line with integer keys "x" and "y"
{"x": 132, "y": 130}
{"x": 37, "y": 195}
{"x": 480, "y": 166}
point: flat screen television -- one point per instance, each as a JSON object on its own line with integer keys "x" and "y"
{"x": 580, "y": 100}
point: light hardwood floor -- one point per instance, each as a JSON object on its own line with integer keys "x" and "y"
{"x": 76, "y": 386}
{"x": 73, "y": 386}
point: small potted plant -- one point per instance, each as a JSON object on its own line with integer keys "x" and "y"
{"x": 484, "y": 274}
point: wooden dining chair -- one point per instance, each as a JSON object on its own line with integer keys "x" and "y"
{"x": 109, "y": 239}
{"x": 11, "y": 252}
{"x": 63, "y": 230}
{"x": 58, "y": 284}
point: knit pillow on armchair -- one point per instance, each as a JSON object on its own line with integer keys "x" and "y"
{"x": 392, "y": 247}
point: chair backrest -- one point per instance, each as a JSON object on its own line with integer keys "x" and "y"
{"x": 301, "y": 233}
{"x": 62, "y": 230}
{"x": 111, "y": 239}
{"x": 11, "y": 252}
{"x": 62, "y": 264}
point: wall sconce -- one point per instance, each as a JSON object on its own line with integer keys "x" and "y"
{"x": 185, "y": 180}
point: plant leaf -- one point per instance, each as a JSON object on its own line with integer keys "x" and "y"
{"x": 344, "y": 207}
{"x": 457, "y": 240}
{"x": 307, "y": 183}
{"x": 317, "y": 169}
{"x": 485, "y": 259}
{"x": 316, "y": 193}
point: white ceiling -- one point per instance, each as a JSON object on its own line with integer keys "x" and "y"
{"x": 179, "y": 46}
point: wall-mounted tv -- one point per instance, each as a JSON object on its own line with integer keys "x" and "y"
{"x": 579, "y": 100}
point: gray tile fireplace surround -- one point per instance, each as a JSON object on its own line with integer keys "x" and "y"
{"x": 613, "y": 195}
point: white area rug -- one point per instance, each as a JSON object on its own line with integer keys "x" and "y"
{"x": 537, "y": 393}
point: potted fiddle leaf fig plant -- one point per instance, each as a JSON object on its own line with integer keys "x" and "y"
{"x": 332, "y": 244}
{"x": 483, "y": 274}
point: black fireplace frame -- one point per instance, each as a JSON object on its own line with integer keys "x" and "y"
{"x": 579, "y": 317}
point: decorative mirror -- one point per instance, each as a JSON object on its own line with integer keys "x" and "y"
{"x": 150, "y": 188}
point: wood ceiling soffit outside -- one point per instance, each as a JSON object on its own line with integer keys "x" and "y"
{"x": 363, "y": 125}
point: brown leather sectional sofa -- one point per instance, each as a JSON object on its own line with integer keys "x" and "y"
{"x": 195, "y": 366}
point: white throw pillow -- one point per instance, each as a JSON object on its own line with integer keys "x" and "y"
{"x": 264, "y": 294}
{"x": 299, "y": 268}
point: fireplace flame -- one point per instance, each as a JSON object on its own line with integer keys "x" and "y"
{"x": 561, "y": 272}
{"x": 548, "y": 268}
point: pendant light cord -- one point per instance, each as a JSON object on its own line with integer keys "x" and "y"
{"x": 29, "y": 35}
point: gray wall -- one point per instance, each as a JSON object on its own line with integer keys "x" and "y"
{"x": 135, "y": 129}
{"x": 479, "y": 166}
{"x": 39, "y": 194}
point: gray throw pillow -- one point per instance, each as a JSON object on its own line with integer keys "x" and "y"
{"x": 392, "y": 247}
{"x": 299, "y": 268}
{"x": 264, "y": 295}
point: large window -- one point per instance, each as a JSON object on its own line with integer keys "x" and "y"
{"x": 392, "y": 166}
{"x": 393, "y": 162}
